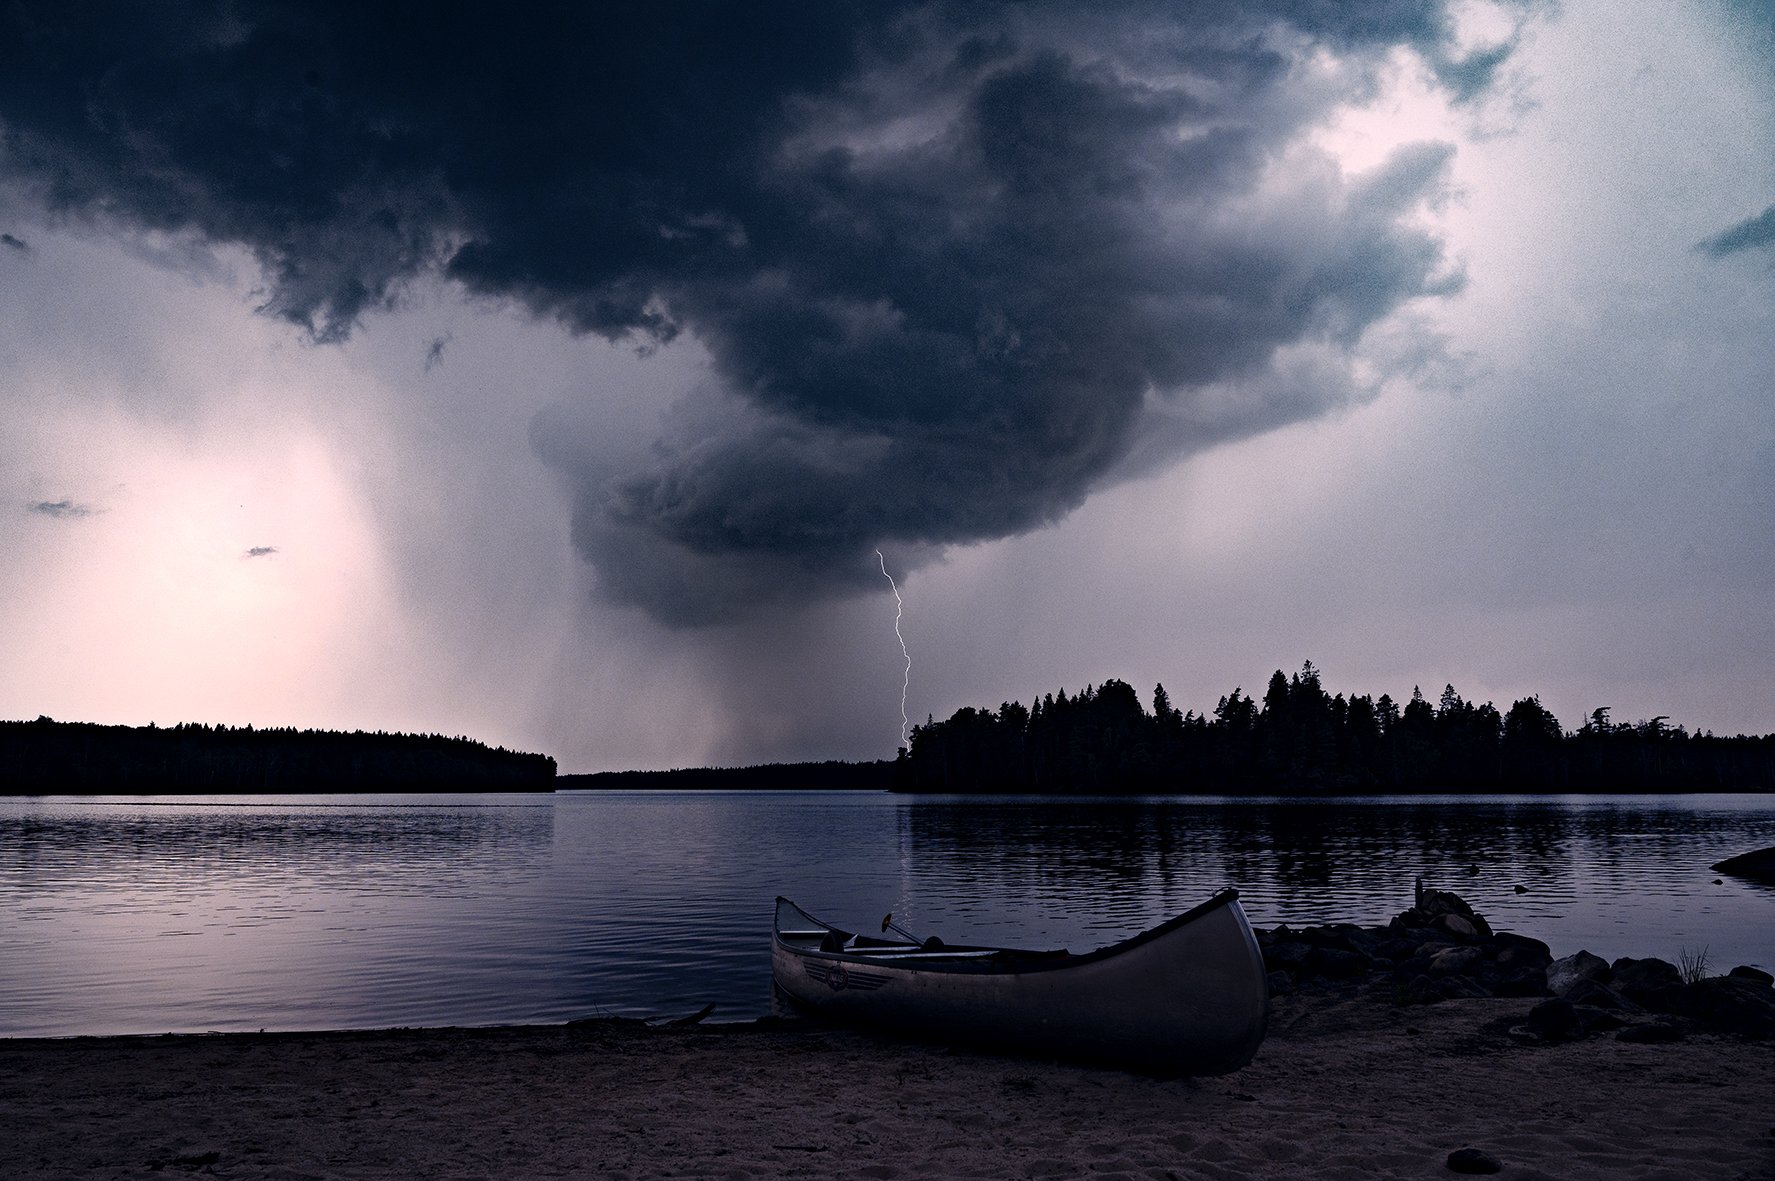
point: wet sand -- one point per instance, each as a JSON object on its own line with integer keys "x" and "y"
{"x": 1343, "y": 1087}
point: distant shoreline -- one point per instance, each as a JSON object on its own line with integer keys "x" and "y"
{"x": 47, "y": 757}
{"x": 831, "y": 775}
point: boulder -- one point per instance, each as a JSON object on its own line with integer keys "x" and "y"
{"x": 1554, "y": 1020}
{"x": 1651, "y": 982}
{"x": 1335, "y": 964}
{"x": 1565, "y": 973}
{"x": 1595, "y": 1020}
{"x": 1370, "y": 941}
{"x": 1395, "y": 947}
{"x": 1453, "y": 924}
{"x": 1456, "y": 961}
{"x": 1754, "y": 975}
{"x": 1511, "y": 950}
{"x": 1520, "y": 982}
{"x": 1418, "y": 964}
{"x": 1730, "y": 1004}
{"x": 1281, "y": 983}
{"x": 1435, "y": 902}
{"x": 1600, "y": 996}
{"x": 1289, "y": 956}
{"x": 1758, "y": 866}
{"x": 1433, "y": 905}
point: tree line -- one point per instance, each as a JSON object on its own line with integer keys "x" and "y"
{"x": 47, "y": 757}
{"x": 1299, "y": 738}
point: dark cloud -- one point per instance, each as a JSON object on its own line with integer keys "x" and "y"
{"x": 1753, "y": 233}
{"x": 944, "y": 258}
{"x": 61, "y": 510}
{"x": 260, "y": 551}
{"x": 18, "y": 244}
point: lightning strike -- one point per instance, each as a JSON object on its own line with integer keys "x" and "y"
{"x": 906, "y": 682}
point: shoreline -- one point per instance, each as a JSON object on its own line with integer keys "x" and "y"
{"x": 1344, "y": 1086}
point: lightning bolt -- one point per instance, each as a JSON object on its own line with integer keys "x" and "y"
{"x": 906, "y": 682}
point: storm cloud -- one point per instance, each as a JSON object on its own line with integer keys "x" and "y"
{"x": 951, "y": 264}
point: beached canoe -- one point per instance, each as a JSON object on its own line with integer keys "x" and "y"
{"x": 1187, "y": 997}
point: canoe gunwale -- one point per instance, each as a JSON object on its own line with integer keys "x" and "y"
{"x": 1019, "y": 961}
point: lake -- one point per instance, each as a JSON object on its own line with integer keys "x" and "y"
{"x": 151, "y": 915}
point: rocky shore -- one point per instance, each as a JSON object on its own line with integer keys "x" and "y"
{"x": 1442, "y": 949}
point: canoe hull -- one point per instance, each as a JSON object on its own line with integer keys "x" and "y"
{"x": 1189, "y": 997}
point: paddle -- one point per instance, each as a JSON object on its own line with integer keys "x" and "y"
{"x": 888, "y": 924}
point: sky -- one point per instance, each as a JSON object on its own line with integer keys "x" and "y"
{"x": 569, "y": 380}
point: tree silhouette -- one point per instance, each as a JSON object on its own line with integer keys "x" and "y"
{"x": 1300, "y": 739}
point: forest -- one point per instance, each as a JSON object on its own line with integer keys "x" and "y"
{"x": 47, "y": 757}
{"x": 1300, "y": 739}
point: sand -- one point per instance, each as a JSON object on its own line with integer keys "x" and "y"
{"x": 1343, "y": 1087}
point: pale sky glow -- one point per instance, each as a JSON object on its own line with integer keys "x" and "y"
{"x": 1555, "y": 475}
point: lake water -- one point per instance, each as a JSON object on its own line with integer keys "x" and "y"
{"x": 134, "y": 915}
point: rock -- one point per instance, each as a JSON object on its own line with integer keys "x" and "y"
{"x": 1456, "y": 961}
{"x": 1758, "y": 866}
{"x": 1754, "y": 975}
{"x": 1656, "y": 1033}
{"x": 1290, "y": 956}
{"x": 1454, "y": 924}
{"x": 1435, "y": 902}
{"x": 1281, "y": 983}
{"x": 1521, "y": 982}
{"x": 1396, "y": 948}
{"x": 1338, "y": 965}
{"x": 1651, "y": 982}
{"x": 1595, "y": 1020}
{"x": 1419, "y": 990}
{"x": 1731, "y": 1004}
{"x": 1472, "y": 1160}
{"x": 1554, "y": 1020}
{"x": 1433, "y": 905}
{"x": 1369, "y": 941}
{"x": 1563, "y": 974}
{"x": 1454, "y": 988}
{"x": 1600, "y": 996}
{"x": 1511, "y": 950}
{"x": 1521, "y": 889}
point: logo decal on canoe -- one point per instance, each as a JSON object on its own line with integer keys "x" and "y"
{"x": 838, "y": 978}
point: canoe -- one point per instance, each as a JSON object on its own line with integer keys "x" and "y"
{"x": 1186, "y": 997}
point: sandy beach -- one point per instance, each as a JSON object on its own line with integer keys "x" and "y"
{"x": 1344, "y": 1087}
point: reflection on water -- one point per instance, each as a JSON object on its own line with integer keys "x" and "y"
{"x": 1628, "y": 873}
{"x": 314, "y": 912}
